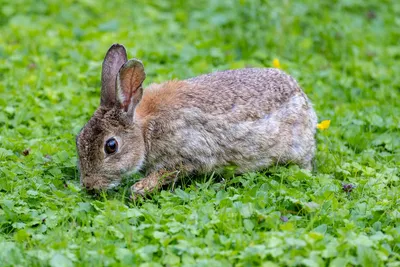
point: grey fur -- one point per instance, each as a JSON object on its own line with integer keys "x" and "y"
{"x": 251, "y": 118}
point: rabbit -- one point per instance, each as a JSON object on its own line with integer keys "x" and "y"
{"x": 249, "y": 118}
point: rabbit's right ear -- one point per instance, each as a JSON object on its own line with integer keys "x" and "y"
{"x": 114, "y": 59}
{"x": 129, "y": 85}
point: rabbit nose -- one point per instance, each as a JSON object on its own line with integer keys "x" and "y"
{"x": 89, "y": 187}
{"x": 86, "y": 183}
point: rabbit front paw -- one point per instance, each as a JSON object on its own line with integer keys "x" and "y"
{"x": 137, "y": 191}
{"x": 152, "y": 182}
{"x": 144, "y": 186}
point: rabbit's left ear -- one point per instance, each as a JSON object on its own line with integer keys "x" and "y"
{"x": 129, "y": 85}
{"x": 114, "y": 59}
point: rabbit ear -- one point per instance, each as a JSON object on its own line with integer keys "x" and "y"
{"x": 114, "y": 59}
{"x": 129, "y": 84}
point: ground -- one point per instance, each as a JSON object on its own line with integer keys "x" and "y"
{"x": 344, "y": 53}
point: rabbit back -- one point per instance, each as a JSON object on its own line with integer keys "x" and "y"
{"x": 249, "y": 118}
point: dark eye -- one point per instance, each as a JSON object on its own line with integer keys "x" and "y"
{"x": 111, "y": 146}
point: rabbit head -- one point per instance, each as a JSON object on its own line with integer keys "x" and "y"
{"x": 111, "y": 143}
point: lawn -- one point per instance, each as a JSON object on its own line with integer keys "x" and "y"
{"x": 345, "y": 54}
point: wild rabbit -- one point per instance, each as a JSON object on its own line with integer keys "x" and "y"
{"x": 250, "y": 118}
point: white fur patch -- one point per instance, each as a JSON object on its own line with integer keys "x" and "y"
{"x": 113, "y": 184}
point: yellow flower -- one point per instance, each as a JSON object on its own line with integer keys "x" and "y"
{"x": 276, "y": 63}
{"x": 323, "y": 125}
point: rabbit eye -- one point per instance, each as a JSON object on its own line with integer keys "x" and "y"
{"x": 111, "y": 146}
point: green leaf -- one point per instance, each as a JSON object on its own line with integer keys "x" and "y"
{"x": 248, "y": 225}
{"x": 182, "y": 194}
{"x": 366, "y": 256}
{"x": 171, "y": 260}
{"x": 59, "y": 260}
{"x": 146, "y": 252}
{"x": 338, "y": 262}
{"x": 5, "y": 153}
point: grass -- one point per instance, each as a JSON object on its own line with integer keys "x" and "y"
{"x": 345, "y": 55}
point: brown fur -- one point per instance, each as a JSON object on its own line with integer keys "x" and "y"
{"x": 251, "y": 118}
{"x": 158, "y": 97}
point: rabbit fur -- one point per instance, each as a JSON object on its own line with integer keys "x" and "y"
{"x": 251, "y": 118}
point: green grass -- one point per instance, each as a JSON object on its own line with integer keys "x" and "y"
{"x": 345, "y": 54}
